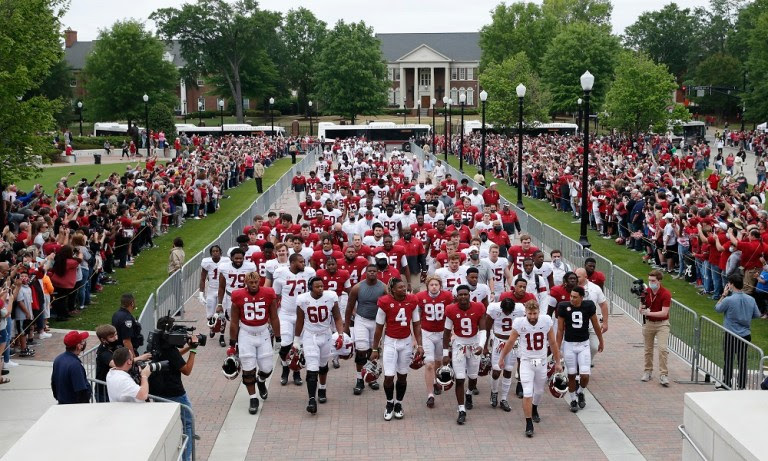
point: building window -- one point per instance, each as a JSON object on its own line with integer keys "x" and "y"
{"x": 462, "y": 92}
{"x": 470, "y": 73}
{"x": 200, "y": 81}
{"x": 462, "y": 73}
{"x": 73, "y": 83}
{"x": 455, "y": 95}
{"x": 246, "y": 103}
{"x": 200, "y": 103}
{"x": 454, "y": 74}
{"x": 390, "y": 74}
{"x": 397, "y": 74}
{"x": 470, "y": 96}
{"x": 391, "y": 97}
{"x": 425, "y": 77}
{"x": 396, "y": 97}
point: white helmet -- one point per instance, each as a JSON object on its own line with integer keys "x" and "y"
{"x": 231, "y": 367}
{"x": 445, "y": 377}
{"x": 347, "y": 348}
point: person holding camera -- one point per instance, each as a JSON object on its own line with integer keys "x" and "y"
{"x": 108, "y": 344}
{"x": 167, "y": 382}
{"x": 738, "y": 309}
{"x": 121, "y": 386}
{"x": 655, "y": 310}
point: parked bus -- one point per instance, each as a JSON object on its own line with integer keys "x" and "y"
{"x": 117, "y": 129}
{"x": 387, "y": 132}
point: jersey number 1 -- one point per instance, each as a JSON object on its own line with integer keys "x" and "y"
{"x": 535, "y": 341}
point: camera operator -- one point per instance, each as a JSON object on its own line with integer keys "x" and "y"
{"x": 120, "y": 384}
{"x": 167, "y": 383}
{"x": 655, "y": 310}
{"x": 109, "y": 343}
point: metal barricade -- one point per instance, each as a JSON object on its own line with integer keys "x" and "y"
{"x": 551, "y": 238}
{"x": 147, "y": 320}
{"x": 89, "y": 361}
{"x": 720, "y": 351}
{"x": 536, "y": 232}
{"x": 621, "y": 296}
{"x": 684, "y": 334}
{"x": 167, "y": 297}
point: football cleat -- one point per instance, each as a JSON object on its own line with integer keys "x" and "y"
{"x": 222, "y": 343}
{"x": 312, "y": 406}
{"x": 321, "y": 397}
{"x": 430, "y": 402}
{"x": 359, "y": 386}
{"x": 468, "y": 401}
{"x": 462, "y": 417}
{"x": 253, "y": 408}
{"x": 389, "y": 412}
{"x": 284, "y": 375}
{"x": 297, "y": 378}
{"x": 231, "y": 367}
{"x": 558, "y": 385}
{"x": 399, "y": 410}
{"x": 574, "y": 406}
{"x": 263, "y": 393}
{"x": 445, "y": 377}
{"x": 505, "y": 406}
{"x": 485, "y": 365}
{"x": 494, "y": 399}
{"x": 374, "y": 385}
{"x": 582, "y": 401}
{"x": 519, "y": 390}
{"x": 529, "y": 429}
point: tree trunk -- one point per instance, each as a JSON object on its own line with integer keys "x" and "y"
{"x": 238, "y": 96}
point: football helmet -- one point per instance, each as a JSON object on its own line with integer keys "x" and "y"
{"x": 371, "y": 371}
{"x": 551, "y": 366}
{"x": 347, "y": 349}
{"x": 445, "y": 377}
{"x": 485, "y": 365}
{"x": 217, "y": 323}
{"x": 295, "y": 359}
{"x": 417, "y": 361}
{"x": 231, "y": 367}
{"x": 558, "y": 385}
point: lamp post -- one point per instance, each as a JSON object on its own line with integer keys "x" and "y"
{"x": 520, "y": 96}
{"x": 221, "y": 114}
{"x": 199, "y": 112}
{"x": 272, "y": 114}
{"x": 184, "y": 109}
{"x": 146, "y": 120}
{"x": 445, "y": 126}
{"x": 450, "y": 126}
{"x": 80, "y": 110}
{"x": 462, "y": 102}
{"x": 418, "y": 112}
{"x": 310, "y": 117}
{"x": 433, "y": 101}
{"x": 578, "y": 122}
{"x": 483, "y": 98}
{"x": 587, "y": 80}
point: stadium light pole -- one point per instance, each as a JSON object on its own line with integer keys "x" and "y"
{"x": 578, "y": 122}
{"x": 146, "y": 120}
{"x": 221, "y": 114}
{"x": 272, "y": 115}
{"x": 462, "y": 102}
{"x": 433, "y": 101}
{"x": 483, "y": 98}
{"x": 587, "y": 81}
{"x": 520, "y": 96}
{"x": 80, "y": 110}
{"x": 445, "y": 126}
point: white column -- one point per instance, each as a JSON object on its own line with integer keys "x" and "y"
{"x": 402, "y": 87}
{"x": 431, "y": 83}
{"x": 415, "y": 85}
{"x": 183, "y": 94}
{"x": 447, "y": 81}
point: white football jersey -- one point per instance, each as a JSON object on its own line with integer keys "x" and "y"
{"x": 477, "y": 295}
{"x": 502, "y": 323}
{"x": 289, "y": 286}
{"x": 371, "y": 241}
{"x": 318, "y": 313}
{"x": 451, "y": 279}
{"x": 271, "y": 266}
{"x": 251, "y": 250}
{"x": 533, "y": 338}
{"x": 390, "y": 223}
{"x": 497, "y": 268}
{"x": 212, "y": 268}
{"x": 333, "y": 215}
{"x": 235, "y": 276}
{"x": 305, "y": 251}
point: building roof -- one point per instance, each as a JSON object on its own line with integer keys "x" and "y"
{"x": 77, "y": 53}
{"x": 459, "y": 46}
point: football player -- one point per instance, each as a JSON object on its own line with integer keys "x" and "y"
{"x": 317, "y": 310}
{"x": 254, "y": 309}
{"x": 466, "y": 320}
{"x": 210, "y": 273}
{"x": 281, "y": 249}
{"x": 535, "y": 333}
{"x": 501, "y": 316}
{"x": 337, "y": 281}
{"x": 231, "y": 278}
{"x": 397, "y": 315}
{"x": 574, "y": 319}
{"x": 452, "y": 275}
{"x": 478, "y": 292}
{"x": 432, "y": 303}
{"x": 290, "y": 282}
{"x": 519, "y": 252}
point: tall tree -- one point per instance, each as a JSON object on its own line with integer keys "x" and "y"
{"x": 668, "y": 36}
{"x": 721, "y": 70}
{"x": 568, "y": 12}
{"x": 126, "y": 63}
{"x": 222, "y": 39}
{"x": 756, "y": 99}
{"x": 29, "y": 47}
{"x": 567, "y": 58}
{"x": 56, "y": 87}
{"x": 302, "y": 35}
{"x": 515, "y": 28}
{"x": 350, "y": 71}
{"x": 501, "y": 80}
{"x": 640, "y": 94}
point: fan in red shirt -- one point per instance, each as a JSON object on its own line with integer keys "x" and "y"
{"x": 498, "y": 235}
{"x": 519, "y": 252}
{"x": 462, "y": 230}
{"x": 415, "y": 253}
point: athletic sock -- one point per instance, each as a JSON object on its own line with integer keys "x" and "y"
{"x": 462, "y": 408}
{"x": 572, "y": 395}
{"x": 506, "y": 383}
{"x": 495, "y": 385}
{"x": 400, "y": 390}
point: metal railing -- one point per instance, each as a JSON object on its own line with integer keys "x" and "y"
{"x": 694, "y": 338}
{"x": 684, "y": 434}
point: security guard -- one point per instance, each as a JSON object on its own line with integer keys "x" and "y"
{"x": 128, "y": 328}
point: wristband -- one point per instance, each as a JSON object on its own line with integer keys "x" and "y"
{"x": 217, "y": 305}
{"x": 445, "y": 352}
{"x": 194, "y": 351}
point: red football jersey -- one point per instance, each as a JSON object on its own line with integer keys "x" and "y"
{"x": 398, "y": 315}
{"x": 387, "y": 275}
{"x": 516, "y": 256}
{"x": 356, "y": 268}
{"x": 437, "y": 240}
{"x": 320, "y": 258}
{"x": 394, "y": 255}
{"x": 320, "y": 227}
{"x": 598, "y": 278}
{"x": 253, "y": 307}
{"x": 465, "y": 323}
{"x": 309, "y": 210}
{"x": 421, "y": 232}
{"x": 260, "y": 260}
{"x": 511, "y": 294}
{"x": 433, "y": 310}
{"x": 334, "y": 282}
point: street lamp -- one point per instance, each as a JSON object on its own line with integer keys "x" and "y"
{"x": 587, "y": 80}
{"x": 146, "y": 120}
{"x": 418, "y": 111}
{"x": 221, "y": 114}
{"x": 450, "y": 126}
{"x": 445, "y": 126}
{"x": 483, "y": 98}
{"x": 433, "y": 101}
{"x": 272, "y": 115}
{"x": 80, "y": 110}
{"x": 200, "y": 112}
{"x": 578, "y": 123}
{"x": 184, "y": 109}
{"x": 520, "y": 96}
{"x": 310, "y": 117}
{"x": 462, "y": 102}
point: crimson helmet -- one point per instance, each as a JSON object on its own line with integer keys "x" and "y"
{"x": 371, "y": 371}
{"x": 485, "y": 365}
{"x": 231, "y": 367}
{"x": 295, "y": 359}
{"x": 347, "y": 349}
{"x": 417, "y": 361}
{"x": 444, "y": 376}
{"x": 220, "y": 324}
{"x": 558, "y": 385}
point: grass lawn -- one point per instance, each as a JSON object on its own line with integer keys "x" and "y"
{"x": 48, "y": 177}
{"x": 150, "y": 269}
{"x": 628, "y": 260}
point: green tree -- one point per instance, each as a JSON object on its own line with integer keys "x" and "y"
{"x": 568, "y": 12}
{"x": 302, "y": 35}
{"x": 29, "y": 47}
{"x": 56, "y": 87}
{"x": 567, "y": 58}
{"x": 756, "y": 99}
{"x": 640, "y": 94}
{"x": 515, "y": 28}
{"x": 677, "y": 116}
{"x": 668, "y": 36}
{"x": 501, "y": 80}
{"x": 161, "y": 119}
{"x": 350, "y": 71}
{"x": 721, "y": 70}
{"x": 221, "y": 40}
{"x": 126, "y": 63}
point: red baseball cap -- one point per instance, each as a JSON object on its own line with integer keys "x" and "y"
{"x": 73, "y": 338}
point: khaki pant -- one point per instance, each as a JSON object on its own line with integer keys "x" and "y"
{"x": 659, "y": 331}
{"x": 750, "y": 280}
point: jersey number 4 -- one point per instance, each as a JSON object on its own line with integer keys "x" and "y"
{"x": 254, "y": 311}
